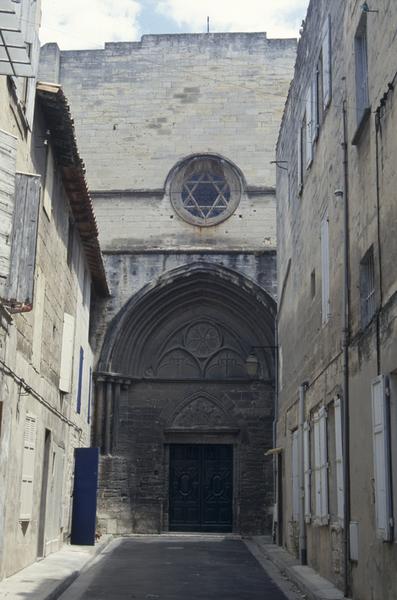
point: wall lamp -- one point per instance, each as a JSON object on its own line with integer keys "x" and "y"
{"x": 252, "y": 361}
{"x": 366, "y": 9}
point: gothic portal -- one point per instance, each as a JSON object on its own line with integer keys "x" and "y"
{"x": 182, "y": 425}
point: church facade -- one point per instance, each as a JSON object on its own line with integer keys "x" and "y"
{"x": 178, "y": 134}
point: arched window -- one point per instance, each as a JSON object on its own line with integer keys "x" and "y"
{"x": 205, "y": 190}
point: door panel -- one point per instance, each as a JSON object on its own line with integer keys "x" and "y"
{"x": 85, "y": 496}
{"x": 201, "y": 487}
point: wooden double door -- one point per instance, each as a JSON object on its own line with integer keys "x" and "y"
{"x": 201, "y": 487}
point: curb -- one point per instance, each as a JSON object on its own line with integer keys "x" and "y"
{"x": 67, "y": 582}
{"x": 309, "y": 582}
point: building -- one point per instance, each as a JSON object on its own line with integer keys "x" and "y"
{"x": 51, "y": 271}
{"x": 337, "y": 284}
{"x": 178, "y": 133}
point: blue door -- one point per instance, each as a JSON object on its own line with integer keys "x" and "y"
{"x": 84, "y": 496}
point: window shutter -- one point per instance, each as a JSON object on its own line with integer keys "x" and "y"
{"x": 300, "y": 158}
{"x": 361, "y": 60}
{"x": 80, "y": 382}
{"x": 321, "y": 466}
{"x": 326, "y": 63}
{"x": 380, "y": 423}
{"x": 307, "y": 471}
{"x": 339, "y": 458}
{"x": 309, "y": 128}
{"x": 295, "y": 475}
{"x": 29, "y": 452}
{"x": 24, "y": 238}
{"x": 65, "y": 374}
{"x": 317, "y": 479}
{"x": 31, "y": 82}
{"x": 325, "y": 268}
{"x": 315, "y": 115}
{"x": 89, "y": 397}
{"x": 8, "y": 148}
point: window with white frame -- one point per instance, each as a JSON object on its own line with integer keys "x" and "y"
{"x": 320, "y": 467}
{"x": 307, "y": 471}
{"x": 367, "y": 287}
{"x": 325, "y": 284}
{"x": 361, "y": 66}
{"x": 28, "y": 463}
{"x": 295, "y": 475}
{"x": 382, "y": 462}
{"x": 340, "y": 494}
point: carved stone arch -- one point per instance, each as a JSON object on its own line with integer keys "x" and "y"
{"x": 198, "y": 284}
{"x": 200, "y": 411}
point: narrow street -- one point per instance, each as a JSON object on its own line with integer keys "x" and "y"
{"x": 176, "y": 568}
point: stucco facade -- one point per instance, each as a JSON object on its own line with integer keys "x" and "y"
{"x": 337, "y": 280}
{"x": 144, "y": 111}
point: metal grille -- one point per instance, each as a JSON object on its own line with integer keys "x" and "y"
{"x": 205, "y": 192}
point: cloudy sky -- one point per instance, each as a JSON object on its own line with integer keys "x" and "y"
{"x": 89, "y": 23}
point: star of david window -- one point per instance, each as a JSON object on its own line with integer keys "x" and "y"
{"x": 205, "y": 191}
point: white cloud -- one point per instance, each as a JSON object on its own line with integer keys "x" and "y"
{"x": 279, "y": 18}
{"x": 88, "y": 23}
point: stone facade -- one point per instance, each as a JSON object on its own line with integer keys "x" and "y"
{"x": 142, "y": 110}
{"x": 340, "y": 172}
{"x": 42, "y": 420}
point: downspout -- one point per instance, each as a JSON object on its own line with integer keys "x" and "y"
{"x": 379, "y": 242}
{"x": 345, "y": 350}
{"x": 302, "y": 522}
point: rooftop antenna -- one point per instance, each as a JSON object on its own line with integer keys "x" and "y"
{"x": 208, "y": 24}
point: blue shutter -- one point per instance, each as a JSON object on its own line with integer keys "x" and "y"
{"x": 80, "y": 380}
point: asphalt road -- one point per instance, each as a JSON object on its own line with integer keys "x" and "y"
{"x": 175, "y": 568}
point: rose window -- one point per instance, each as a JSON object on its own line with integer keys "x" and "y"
{"x": 205, "y": 191}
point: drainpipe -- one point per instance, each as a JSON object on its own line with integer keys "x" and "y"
{"x": 344, "y": 195}
{"x": 302, "y": 523}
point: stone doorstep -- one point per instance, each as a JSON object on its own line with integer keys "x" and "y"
{"x": 47, "y": 579}
{"x": 305, "y": 578}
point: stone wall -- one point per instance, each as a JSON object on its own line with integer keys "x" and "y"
{"x": 371, "y": 210}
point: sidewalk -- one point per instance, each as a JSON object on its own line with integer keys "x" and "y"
{"x": 311, "y": 584}
{"x": 47, "y": 579}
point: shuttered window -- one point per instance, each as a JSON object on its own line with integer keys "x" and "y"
{"x": 80, "y": 381}
{"x": 89, "y": 397}
{"x": 381, "y": 446}
{"x": 8, "y": 145}
{"x": 325, "y": 268}
{"x": 48, "y": 183}
{"x": 67, "y": 353}
{"x": 309, "y": 128}
{"x": 24, "y": 239}
{"x": 307, "y": 470}
{"x": 360, "y": 48}
{"x": 339, "y": 459}
{"x": 321, "y": 467}
{"x": 26, "y": 11}
{"x": 326, "y": 63}
{"x": 295, "y": 475}
{"x": 29, "y": 452}
{"x": 315, "y": 107}
{"x": 300, "y": 158}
